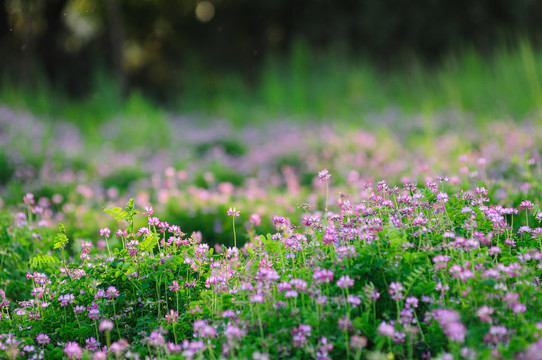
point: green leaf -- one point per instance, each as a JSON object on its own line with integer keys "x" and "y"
{"x": 118, "y": 213}
{"x": 149, "y": 243}
{"x": 60, "y": 239}
{"x": 42, "y": 259}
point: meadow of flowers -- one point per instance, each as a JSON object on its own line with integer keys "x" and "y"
{"x": 278, "y": 242}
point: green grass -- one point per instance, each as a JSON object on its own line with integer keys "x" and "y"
{"x": 321, "y": 87}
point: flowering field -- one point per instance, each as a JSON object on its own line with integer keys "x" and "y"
{"x": 278, "y": 242}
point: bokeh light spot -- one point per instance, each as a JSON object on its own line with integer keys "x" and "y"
{"x": 205, "y": 11}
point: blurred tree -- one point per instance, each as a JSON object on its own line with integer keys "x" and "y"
{"x": 154, "y": 44}
{"x": 116, "y": 34}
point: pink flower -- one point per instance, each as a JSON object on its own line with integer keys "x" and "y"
{"x": 255, "y": 219}
{"x": 450, "y": 322}
{"x": 121, "y": 233}
{"x": 105, "y": 232}
{"x": 175, "y": 286}
{"x": 233, "y": 212}
{"x": 396, "y": 291}
{"x": 484, "y": 313}
{"x": 526, "y": 205}
{"x": 354, "y": 300}
{"x": 495, "y": 250}
{"x": 345, "y": 281}
{"x": 148, "y": 211}
{"x": 112, "y": 292}
{"x": 106, "y": 325}
{"x": 73, "y": 350}
{"x": 322, "y": 276}
{"x": 232, "y": 332}
{"x": 386, "y": 329}
{"x": 172, "y": 316}
{"x": 324, "y": 175}
{"x": 43, "y": 339}
{"x": 442, "y": 198}
{"x": 100, "y": 355}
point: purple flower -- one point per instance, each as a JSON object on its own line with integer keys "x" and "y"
{"x": 411, "y": 302}
{"x": 290, "y": 294}
{"x": 396, "y": 290}
{"x": 156, "y": 339}
{"x": 92, "y": 344}
{"x": 495, "y": 250}
{"x": 233, "y": 212}
{"x": 442, "y": 198}
{"x": 354, "y": 300}
{"x": 345, "y": 281}
{"x": 42, "y": 339}
{"x": 175, "y": 286}
{"x": 257, "y": 298}
{"x": 172, "y": 316}
{"x": 105, "y": 232}
{"x": 450, "y": 322}
{"x": 324, "y": 175}
{"x": 66, "y": 299}
{"x": 119, "y": 346}
{"x": 233, "y": 332}
{"x": 106, "y": 325}
{"x": 100, "y": 355}
{"x": 94, "y": 314}
{"x": 526, "y": 205}
{"x": 322, "y": 276}
{"x": 524, "y": 229}
{"x": 386, "y": 329}
{"x": 112, "y": 292}
{"x": 484, "y": 313}
{"x": 300, "y": 334}
{"x": 73, "y": 350}
{"x": 255, "y": 219}
{"x": 201, "y": 329}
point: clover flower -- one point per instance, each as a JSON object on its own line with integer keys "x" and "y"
{"x": 324, "y": 175}
{"x": 156, "y": 339}
{"x": 396, "y": 290}
{"x": 105, "y": 232}
{"x": 233, "y": 212}
{"x": 73, "y": 350}
{"x": 92, "y": 344}
{"x": 106, "y": 325}
{"x": 255, "y": 219}
{"x": 175, "y": 286}
{"x": 526, "y": 205}
{"x": 112, "y": 292}
{"x": 345, "y": 281}
{"x": 43, "y": 339}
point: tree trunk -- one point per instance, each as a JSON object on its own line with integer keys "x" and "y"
{"x": 116, "y": 36}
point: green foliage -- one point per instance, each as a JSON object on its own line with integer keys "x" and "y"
{"x": 41, "y": 260}
{"x": 117, "y": 212}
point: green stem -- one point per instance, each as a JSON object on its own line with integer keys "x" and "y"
{"x": 234, "y": 237}
{"x": 174, "y": 333}
{"x": 108, "y": 250}
{"x": 419, "y": 326}
{"x": 96, "y": 327}
{"x": 116, "y": 321}
{"x": 327, "y": 199}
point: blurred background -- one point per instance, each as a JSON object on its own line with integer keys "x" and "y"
{"x": 317, "y": 58}
{"x": 195, "y": 106}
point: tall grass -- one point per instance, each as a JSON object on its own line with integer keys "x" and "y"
{"x": 328, "y": 86}
{"x": 320, "y": 86}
